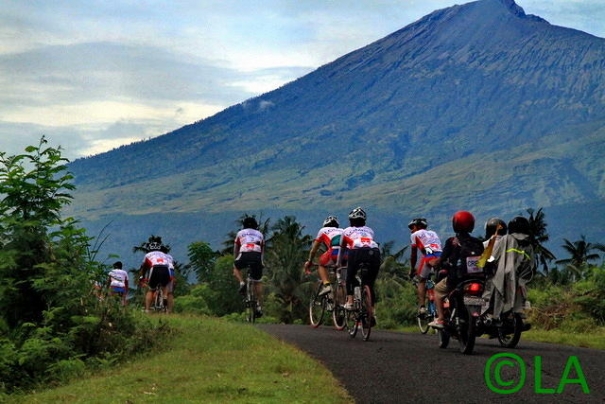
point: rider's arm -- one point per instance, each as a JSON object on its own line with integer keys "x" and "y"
{"x": 312, "y": 253}
{"x": 413, "y": 260}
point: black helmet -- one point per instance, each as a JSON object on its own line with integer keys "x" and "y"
{"x": 463, "y": 221}
{"x": 250, "y": 222}
{"x": 357, "y": 213}
{"x": 331, "y": 221}
{"x": 418, "y": 222}
{"x": 117, "y": 264}
{"x": 518, "y": 224}
{"x": 493, "y": 226}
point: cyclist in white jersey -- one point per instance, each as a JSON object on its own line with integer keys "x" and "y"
{"x": 155, "y": 269}
{"x": 328, "y": 236}
{"x": 248, "y": 249}
{"x": 358, "y": 239}
{"x": 426, "y": 242}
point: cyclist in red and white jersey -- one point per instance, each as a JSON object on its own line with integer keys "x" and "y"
{"x": 358, "y": 239}
{"x": 426, "y": 242}
{"x": 328, "y": 236}
{"x": 155, "y": 268}
{"x": 248, "y": 249}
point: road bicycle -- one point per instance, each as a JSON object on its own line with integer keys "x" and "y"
{"x": 362, "y": 315}
{"x": 332, "y": 302}
{"x": 251, "y": 302}
{"x": 431, "y": 310}
{"x": 159, "y": 304}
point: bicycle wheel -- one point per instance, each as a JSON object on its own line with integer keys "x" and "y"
{"x": 367, "y": 313}
{"x": 339, "y": 313}
{"x": 250, "y": 303}
{"x": 158, "y": 302}
{"x": 317, "y": 307}
{"x": 425, "y": 318}
{"x": 351, "y": 321}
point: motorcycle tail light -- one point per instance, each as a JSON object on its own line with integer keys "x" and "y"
{"x": 474, "y": 289}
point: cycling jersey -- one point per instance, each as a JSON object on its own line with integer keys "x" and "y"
{"x": 156, "y": 268}
{"x": 358, "y": 237}
{"x": 426, "y": 241}
{"x": 330, "y": 237}
{"x": 118, "y": 279}
{"x": 249, "y": 240}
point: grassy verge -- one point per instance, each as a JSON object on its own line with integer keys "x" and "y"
{"x": 212, "y": 361}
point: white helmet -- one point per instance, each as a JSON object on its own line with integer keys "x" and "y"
{"x": 331, "y": 221}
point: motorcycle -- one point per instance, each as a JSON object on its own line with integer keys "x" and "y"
{"x": 464, "y": 320}
{"x": 462, "y": 309}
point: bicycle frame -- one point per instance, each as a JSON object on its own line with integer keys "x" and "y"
{"x": 362, "y": 316}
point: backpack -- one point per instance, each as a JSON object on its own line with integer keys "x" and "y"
{"x": 465, "y": 255}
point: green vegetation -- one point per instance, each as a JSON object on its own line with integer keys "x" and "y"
{"x": 54, "y": 328}
{"x": 207, "y": 360}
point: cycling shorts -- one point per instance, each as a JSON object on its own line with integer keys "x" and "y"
{"x": 426, "y": 265}
{"x": 330, "y": 257}
{"x": 159, "y": 275}
{"x": 118, "y": 290}
{"x": 254, "y": 261}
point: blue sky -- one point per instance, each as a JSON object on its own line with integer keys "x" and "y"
{"x": 94, "y": 75}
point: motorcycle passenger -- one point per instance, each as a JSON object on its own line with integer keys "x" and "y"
{"x": 329, "y": 236}
{"x": 495, "y": 229}
{"x": 358, "y": 239}
{"x": 248, "y": 249}
{"x": 155, "y": 269}
{"x": 453, "y": 261}
{"x": 429, "y": 245}
{"x": 514, "y": 258}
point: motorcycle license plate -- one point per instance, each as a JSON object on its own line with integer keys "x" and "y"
{"x": 473, "y": 301}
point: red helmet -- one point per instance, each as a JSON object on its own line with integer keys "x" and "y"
{"x": 463, "y": 221}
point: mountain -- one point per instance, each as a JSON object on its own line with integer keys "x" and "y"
{"x": 477, "y": 106}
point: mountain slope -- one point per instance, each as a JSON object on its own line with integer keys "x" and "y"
{"x": 477, "y": 106}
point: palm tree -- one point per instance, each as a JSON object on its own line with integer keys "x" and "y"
{"x": 539, "y": 236}
{"x": 581, "y": 253}
{"x": 284, "y": 257}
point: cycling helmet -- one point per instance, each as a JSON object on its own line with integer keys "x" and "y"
{"x": 250, "y": 222}
{"x": 331, "y": 221}
{"x": 154, "y": 246}
{"x": 463, "y": 221}
{"x": 519, "y": 224}
{"x": 492, "y": 225}
{"x": 357, "y": 213}
{"x": 419, "y": 222}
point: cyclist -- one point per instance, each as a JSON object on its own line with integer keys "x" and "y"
{"x": 156, "y": 271}
{"x": 248, "y": 249}
{"x": 329, "y": 236}
{"x": 358, "y": 239}
{"x": 426, "y": 242}
{"x": 118, "y": 282}
{"x": 453, "y": 260}
{"x": 170, "y": 287}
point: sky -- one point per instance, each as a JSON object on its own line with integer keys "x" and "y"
{"x": 94, "y": 75}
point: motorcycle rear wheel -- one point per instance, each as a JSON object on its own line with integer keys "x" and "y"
{"x": 466, "y": 332}
{"x": 510, "y": 339}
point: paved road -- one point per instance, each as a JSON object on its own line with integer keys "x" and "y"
{"x": 397, "y": 367}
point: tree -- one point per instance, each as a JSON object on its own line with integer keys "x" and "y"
{"x": 201, "y": 260}
{"x": 287, "y": 251}
{"x": 581, "y": 253}
{"x": 539, "y": 236}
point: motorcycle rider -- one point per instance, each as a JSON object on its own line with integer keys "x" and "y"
{"x": 463, "y": 223}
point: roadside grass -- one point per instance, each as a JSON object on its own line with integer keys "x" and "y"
{"x": 208, "y": 360}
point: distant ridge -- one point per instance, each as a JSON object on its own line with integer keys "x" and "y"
{"x": 476, "y": 106}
